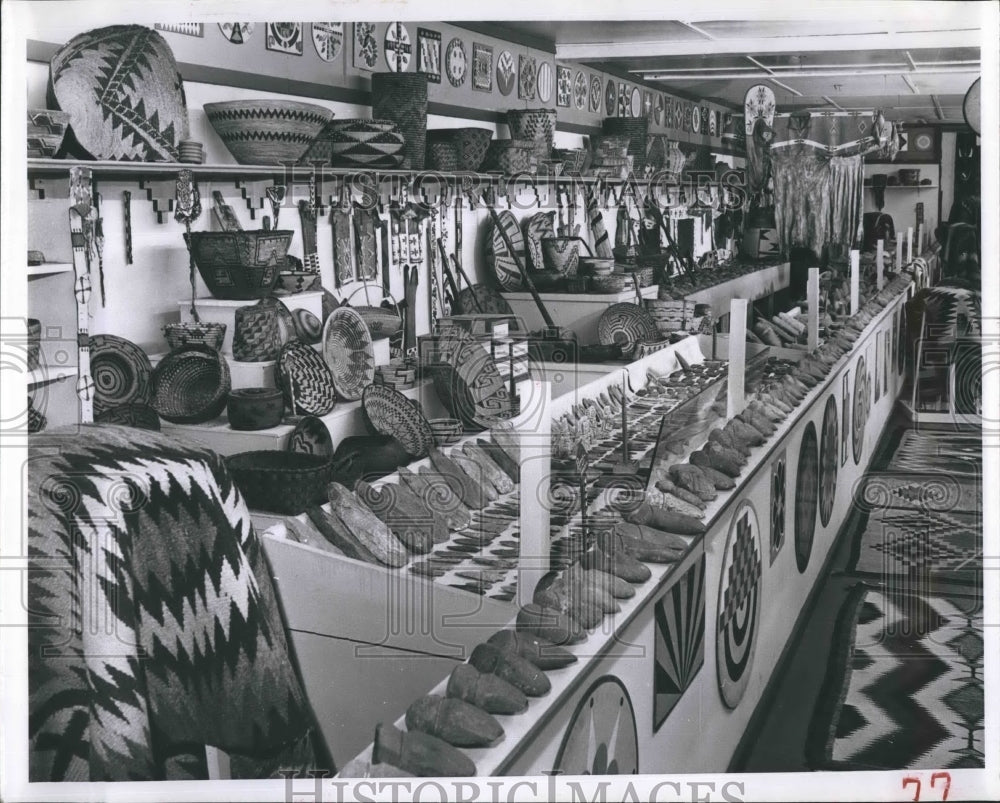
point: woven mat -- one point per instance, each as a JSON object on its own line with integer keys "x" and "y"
{"x": 904, "y": 688}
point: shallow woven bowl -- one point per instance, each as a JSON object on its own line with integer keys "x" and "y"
{"x": 190, "y": 385}
{"x": 472, "y": 144}
{"x": 280, "y": 481}
{"x": 267, "y": 131}
{"x": 613, "y": 283}
{"x": 46, "y": 130}
{"x": 240, "y": 264}
{"x": 207, "y": 334}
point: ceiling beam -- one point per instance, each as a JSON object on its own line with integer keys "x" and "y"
{"x": 603, "y": 51}
{"x": 910, "y": 84}
{"x": 774, "y": 81}
{"x": 743, "y": 75}
{"x": 937, "y": 107}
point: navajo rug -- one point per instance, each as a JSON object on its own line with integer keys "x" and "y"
{"x": 905, "y": 685}
{"x": 154, "y": 628}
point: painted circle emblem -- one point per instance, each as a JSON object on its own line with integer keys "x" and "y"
{"x": 859, "y": 410}
{"x": 828, "y": 461}
{"x": 806, "y": 496}
{"x": 601, "y": 738}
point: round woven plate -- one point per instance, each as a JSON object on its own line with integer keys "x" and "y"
{"x": 311, "y": 436}
{"x": 389, "y": 412}
{"x": 489, "y": 301}
{"x": 469, "y": 383}
{"x": 120, "y": 370}
{"x": 498, "y": 258}
{"x": 305, "y": 380}
{"x": 806, "y": 497}
{"x": 626, "y": 325}
{"x": 348, "y": 352}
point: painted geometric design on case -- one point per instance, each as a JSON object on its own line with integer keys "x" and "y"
{"x": 806, "y": 496}
{"x": 505, "y": 72}
{"x": 429, "y": 54}
{"x": 398, "y": 48}
{"x": 859, "y": 415}
{"x": 328, "y": 39}
{"x": 779, "y": 483}
{"x": 456, "y": 62}
{"x": 482, "y": 67}
{"x": 365, "y": 46}
{"x": 527, "y": 77}
{"x": 828, "y": 461}
{"x": 610, "y": 98}
{"x": 580, "y": 91}
{"x": 284, "y": 37}
{"x": 877, "y": 372}
{"x": 845, "y": 408}
{"x": 739, "y": 604}
{"x": 236, "y": 32}
{"x": 543, "y": 82}
{"x": 596, "y": 92}
{"x": 601, "y": 738}
{"x": 564, "y": 86}
{"x": 680, "y": 640}
{"x": 183, "y": 28}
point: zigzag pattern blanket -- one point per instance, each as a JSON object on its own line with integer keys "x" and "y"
{"x": 154, "y": 628}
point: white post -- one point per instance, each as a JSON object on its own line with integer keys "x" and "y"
{"x": 855, "y": 281}
{"x": 920, "y": 239}
{"x": 899, "y": 251}
{"x": 534, "y": 434}
{"x": 909, "y": 243}
{"x": 812, "y": 298}
{"x": 880, "y": 264}
{"x": 735, "y": 401}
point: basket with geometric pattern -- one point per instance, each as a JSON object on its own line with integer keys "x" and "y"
{"x": 278, "y": 481}
{"x": 190, "y": 385}
{"x": 402, "y": 98}
{"x": 267, "y": 132}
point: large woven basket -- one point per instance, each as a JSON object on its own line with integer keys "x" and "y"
{"x": 257, "y": 333}
{"x": 670, "y": 316}
{"x": 267, "y": 132}
{"x": 511, "y": 156}
{"x": 280, "y": 481}
{"x": 190, "y": 385}
{"x": 203, "y": 333}
{"x": 359, "y": 143}
{"x": 472, "y": 144}
{"x": 533, "y": 124}
{"x": 442, "y": 156}
{"x": 637, "y": 130}
{"x": 402, "y": 98}
{"x": 239, "y": 264}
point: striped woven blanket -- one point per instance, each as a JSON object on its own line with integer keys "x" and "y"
{"x": 154, "y": 629}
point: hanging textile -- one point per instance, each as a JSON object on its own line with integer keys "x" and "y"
{"x": 154, "y": 629}
{"x": 817, "y": 198}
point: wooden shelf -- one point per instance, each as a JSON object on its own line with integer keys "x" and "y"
{"x": 49, "y": 269}
{"x": 298, "y": 173}
{"x": 47, "y": 374}
{"x": 903, "y": 187}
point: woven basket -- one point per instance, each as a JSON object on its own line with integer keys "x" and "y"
{"x": 267, "y": 132}
{"x": 670, "y": 316}
{"x": 381, "y": 321}
{"x": 613, "y": 283}
{"x": 256, "y": 336}
{"x": 402, "y": 98}
{"x": 280, "y": 481}
{"x": 511, "y": 156}
{"x": 562, "y": 254}
{"x": 533, "y": 124}
{"x": 575, "y": 161}
{"x": 207, "y": 334}
{"x": 190, "y": 385}
{"x": 255, "y": 408}
{"x": 442, "y": 156}
{"x": 613, "y": 146}
{"x": 471, "y": 143}
{"x": 34, "y": 343}
{"x": 239, "y": 265}
{"x": 139, "y": 416}
{"x": 446, "y": 430}
{"x": 359, "y": 143}
{"x": 637, "y": 130}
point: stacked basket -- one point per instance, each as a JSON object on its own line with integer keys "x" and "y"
{"x": 637, "y": 131}
{"x": 402, "y": 98}
{"x": 536, "y": 125}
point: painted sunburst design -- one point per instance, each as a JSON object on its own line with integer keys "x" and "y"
{"x": 601, "y": 738}
{"x": 828, "y": 461}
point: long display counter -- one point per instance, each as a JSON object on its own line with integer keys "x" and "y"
{"x": 701, "y": 637}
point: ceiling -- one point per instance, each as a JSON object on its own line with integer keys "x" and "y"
{"x": 919, "y": 68}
